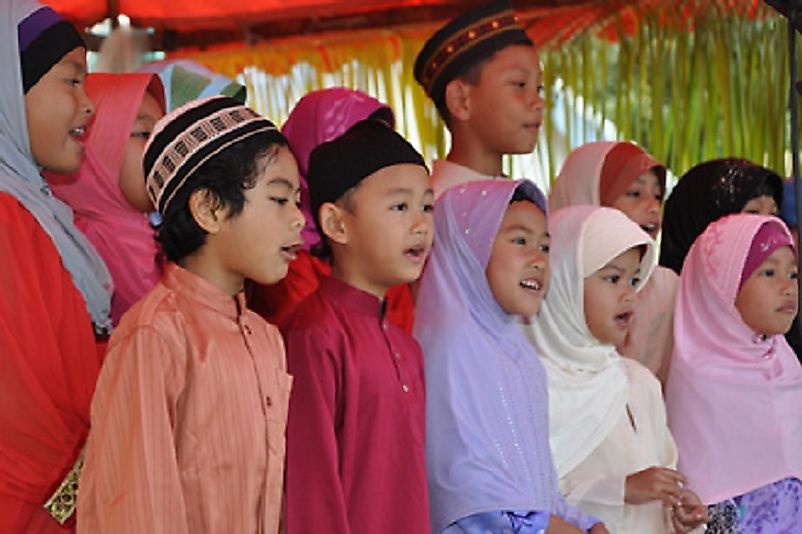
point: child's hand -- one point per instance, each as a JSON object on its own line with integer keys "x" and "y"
{"x": 654, "y": 484}
{"x": 557, "y": 525}
{"x": 599, "y": 528}
{"x": 690, "y": 514}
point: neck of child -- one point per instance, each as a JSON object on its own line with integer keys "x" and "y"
{"x": 205, "y": 267}
{"x": 469, "y": 152}
{"x": 354, "y": 278}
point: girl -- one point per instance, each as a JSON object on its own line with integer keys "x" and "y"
{"x": 735, "y": 387}
{"x": 612, "y": 448}
{"x": 318, "y": 117}
{"x": 623, "y": 176}
{"x": 108, "y": 192}
{"x": 488, "y": 458}
{"x": 708, "y": 192}
{"x": 54, "y": 288}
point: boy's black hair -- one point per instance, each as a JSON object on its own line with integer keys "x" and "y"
{"x": 226, "y": 177}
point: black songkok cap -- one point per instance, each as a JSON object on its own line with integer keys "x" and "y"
{"x": 465, "y": 41}
{"x": 44, "y": 37}
{"x": 340, "y": 164}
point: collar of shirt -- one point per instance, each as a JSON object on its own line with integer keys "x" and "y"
{"x": 202, "y": 291}
{"x": 352, "y": 298}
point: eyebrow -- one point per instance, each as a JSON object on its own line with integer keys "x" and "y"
{"x": 283, "y": 181}
{"x": 79, "y": 68}
{"x": 619, "y": 269}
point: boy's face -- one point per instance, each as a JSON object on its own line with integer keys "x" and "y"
{"x": 609, "y": 298}
{"x": 768, "y": 299}
{"x": 642, "y": 202}
{"x": 58, "y": 112}
{"x": 389, "y": 229}
{"x": 506, "y": 105}
{"x": 518, "y": 270}
{"x": 132, "y": 177}
{"x": 260, "y": 242}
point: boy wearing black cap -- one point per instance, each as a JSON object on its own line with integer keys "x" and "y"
{"x": 188, "y": 420}
{"x": 355, "y": 437}
{"x": 483, "y": 73}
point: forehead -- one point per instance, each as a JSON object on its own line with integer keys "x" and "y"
{"x": 629, "y": 259}
{"x": 280, "y": 168}
{"x": 150, "y": 107}
{"x": 390, "y": 179}
{"x": 648, "y": 178}
{"x": 74, "y": 59}
{"x": 515, "y": 57}
{"x": 526, "y": 214}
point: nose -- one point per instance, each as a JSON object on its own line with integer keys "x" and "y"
{"x": 423, "y": 223}
{"x": 790, "y": 287}
{"x": 84, "y": 102}
{"x": 539, "y": 259}
{"x": 629, "y": 293}
{"x": 298, "y": 219}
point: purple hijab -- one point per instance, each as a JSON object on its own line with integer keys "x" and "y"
{"x": 487, "y": 442}
{"x": 318, "y": 117}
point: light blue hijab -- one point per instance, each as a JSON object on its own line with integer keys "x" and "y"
{"x": 20, "y": 177}
{"x": 487, "y": 446}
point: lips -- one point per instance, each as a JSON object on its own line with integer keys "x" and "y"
{"x": 416, "y": 254}
{"x": 531, "y": 284}
{"x": 624, "y": 320}
{"x": 290, "y": 252}
{"x": 650, "y": 228}
{"x": 789, "y": 308}
{"x": 78, "y": 132}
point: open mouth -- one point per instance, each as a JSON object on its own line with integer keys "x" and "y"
{"x": 531, "y": 284}
{"x": 290, "y": 252}
{"x": 623, "y": 320}
{"x": 416, "y": 253}
{"x": 650, "y": 229}
{"x": 78, "y": 133}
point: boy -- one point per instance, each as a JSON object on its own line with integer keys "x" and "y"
{"x": 483, "y": 74}
{"x": 189, "y": 415}
{"x": 355, "y": 459}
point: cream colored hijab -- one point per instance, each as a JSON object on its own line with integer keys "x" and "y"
{"x": 588, "y": 385}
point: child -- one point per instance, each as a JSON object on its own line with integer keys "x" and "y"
{"x": 623, "y": 176}
{"x": 318, "y": 117}
{"x": 735, "y": 386}
{"x": 483, "y": 74}
{"x": 612, "y": 448}
{"x": 487, "y": 451}
{"x": 55, "y": 287}
{"x": 189, "y": 415}
{"x": 708, "y": 192}
{"x": 355, "y": 459}
{"x": 108, "y": 193}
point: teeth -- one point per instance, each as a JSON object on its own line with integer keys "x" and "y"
{"x": 531, "y": 284}
{"x": 78, "y": 132}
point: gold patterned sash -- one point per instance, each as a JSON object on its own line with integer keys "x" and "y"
{"x": 61, "y": 505}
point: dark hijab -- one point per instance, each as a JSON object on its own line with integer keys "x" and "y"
{"x": 706, "y": 193}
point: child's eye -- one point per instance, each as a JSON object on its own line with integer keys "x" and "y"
{"x": 428, "y": 208}
{"x": 402, "y": 206}
{"x": 541, "y": 90}
{"x": 768, "y": 273}
{"x": 281, "y": 201}
{"x": 613, "y": 278}
{"x": 75, "y": 82}
{"x": 545, "y": 248}
{"x": 519, "y": 84}
{"x": 519, "y": 241}
{"x": 793, "y": 275}
{"x": 633, "y": 194}
{"x": 634, "y": 281}
{"x": 141, "y": 135}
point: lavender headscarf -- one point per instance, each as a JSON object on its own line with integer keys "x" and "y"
{"x": 487, "y": 442}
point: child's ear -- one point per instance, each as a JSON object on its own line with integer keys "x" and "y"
{"x": 458, "y": 101}
{"x": 206, "y": 210}
{"x": 332, "y": 222}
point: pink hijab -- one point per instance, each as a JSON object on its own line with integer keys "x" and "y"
{"x": 734, "y": 399}
{"x": 318, "y": 117}
{"x": 120, "y": 233}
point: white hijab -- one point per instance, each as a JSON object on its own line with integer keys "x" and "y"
{"x": 588, "y": 385}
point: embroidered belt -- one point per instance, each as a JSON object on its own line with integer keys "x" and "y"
{"x": 61, "y": 505}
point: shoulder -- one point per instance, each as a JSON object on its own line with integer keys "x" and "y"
{"x": 643, "y": 385}
{"x": 157, "y": 314}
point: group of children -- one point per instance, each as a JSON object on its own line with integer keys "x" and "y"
{"x": 448, "y": 353}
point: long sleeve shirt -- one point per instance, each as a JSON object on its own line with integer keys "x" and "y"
{"x": 189, "y": 418}
{"x": 355, "y": 458}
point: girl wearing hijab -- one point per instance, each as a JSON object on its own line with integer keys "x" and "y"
{"x": 108, "y": 192}
{"x": 612, "y": 449}
{"x": 56, "y": 291}
{"x": 318, "y": 117}
{"x": 735, "y": 386}
{"x": 622, "y": 175}
{"x": 708, "y": 192}
{"x": 489, "y": 464}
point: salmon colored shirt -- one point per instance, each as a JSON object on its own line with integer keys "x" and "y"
{"x": 189, "y": 418}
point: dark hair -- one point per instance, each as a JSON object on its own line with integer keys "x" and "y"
{"x": 472, "y": 74}
{"x": 520, "y": 195}
{"x": 225, "y": 176}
